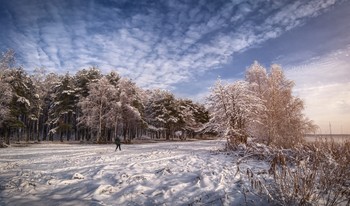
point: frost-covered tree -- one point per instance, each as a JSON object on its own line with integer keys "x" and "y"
{"x": 257, "y": 77}
{"x": 62, "y": 107}
{"x": 165, "y": 114}
{"x": 5, "y": 91}
{"x": 186, "y": 108}
{"x": 82, "y": 80}
{"x": 233, "y": 107}
{"x": 5, "y": 99}
{"x": 113, "y": 78}
{"x": 131, "y": 108}
{"x": 200, "y": 114}
{"x": 192, "y": 116}
{"x": 23, "y": 105}
{"x": 282, "y": 120}
{"x": 162, "y": 113}
{"x": 115, "y": 117}
{"x": 20, "y": 112}
{"x": 48, "y": 85}
{"x": 101, "y": 109}
{"x": 42, "y": 89}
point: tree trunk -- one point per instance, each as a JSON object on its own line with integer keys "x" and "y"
{"x": 61, "y": 136}
{"x": 37, "y": 129}
{"x": 100, "y": 125}
{"x": 7, "y": 136}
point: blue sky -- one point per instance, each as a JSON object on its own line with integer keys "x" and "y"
{"x": 184, "y": 46}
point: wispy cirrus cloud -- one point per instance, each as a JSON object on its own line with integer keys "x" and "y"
{"x": 324, "y": 84}
{"x": 157, "y": 44}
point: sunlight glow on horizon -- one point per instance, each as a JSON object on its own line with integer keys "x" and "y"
{"x": 324, "y": 85}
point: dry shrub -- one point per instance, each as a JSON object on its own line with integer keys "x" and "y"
{"x": 311, "y": 174}
{"x": 316, "y": 173}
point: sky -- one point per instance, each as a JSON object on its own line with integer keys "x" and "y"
{"x": 184, "y": 46}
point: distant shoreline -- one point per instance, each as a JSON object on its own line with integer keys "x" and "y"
{"x": 336, "y": 137}
{"x": 328, "y": 135}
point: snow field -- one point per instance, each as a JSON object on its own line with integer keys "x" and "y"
{"x": 170, "y": 173}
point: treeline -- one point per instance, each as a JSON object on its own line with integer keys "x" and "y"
{"x": 91, "y": 106}
{"x": 88, "y": 106}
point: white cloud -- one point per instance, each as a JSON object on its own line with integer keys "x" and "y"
{"x": 155, "y": 48}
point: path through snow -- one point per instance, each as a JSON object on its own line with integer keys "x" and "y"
{"x": 170, "y": 173}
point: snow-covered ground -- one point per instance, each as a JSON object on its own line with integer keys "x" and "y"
{"x": 169, "y": 173}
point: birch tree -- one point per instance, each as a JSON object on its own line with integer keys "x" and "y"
{"x": 232, "y": 108}
{"x": 100, "y": 107}
{"x": 283, "y": 122}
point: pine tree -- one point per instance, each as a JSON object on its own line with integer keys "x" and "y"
{"x": 23, "y": 105}
{"x": 192, "y": 116}
{"x": 5, "y": 99}
{"x": 82, "y": 80}
{"x": 132, "y": 108}
{"x": 48, "y": 85}
{"x": 163, "y": 113}
{"x": 62, "y": 108}
{"x": 5, "y": 92}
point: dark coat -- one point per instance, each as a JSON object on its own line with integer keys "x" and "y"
{"x": 117, "y": 141}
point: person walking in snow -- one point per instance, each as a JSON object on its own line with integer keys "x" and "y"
{"x": 117, "y": 142}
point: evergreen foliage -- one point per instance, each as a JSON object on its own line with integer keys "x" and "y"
{"x": 88, "y": 106}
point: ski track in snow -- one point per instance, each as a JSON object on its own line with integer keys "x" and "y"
{"x": 170, "y": 173}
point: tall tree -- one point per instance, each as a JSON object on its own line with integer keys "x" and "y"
{"x": 38, "y": 77}
{"x": 48, "y": 86}
{"x": 163, "y": 113}
{"x": 100, "y": 108}
{"x": 233, "y": 107}
{"x": 62, "y": 107}
{"x": 131, "y": 108}
{"x": 82, "y": 80}
{"x": 5, "y": 93}
{"x": 5, "y": 99}
{"x": 192, "y": 116}
{"x": 282, "y": 120}
{"x": 24, "y": 104}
